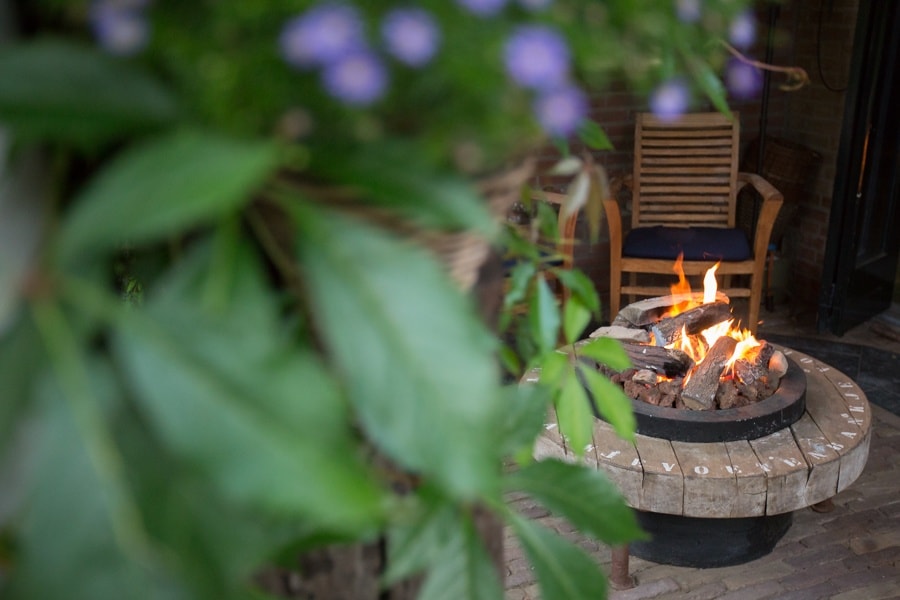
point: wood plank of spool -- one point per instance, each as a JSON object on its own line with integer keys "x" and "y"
{"x": 856, "y": 414}
{"x": 710, "y": 488}
{"x": 550, "y": 444}
{"x": 786, "y": 471}
{"x": 824, "y": 461}
{"x": 619, "y": 460}
{"x": 750, "y": 500}
{"x": 700, "y": 390}
{"x": 692, "y": 321}
{"x": 662, "y": 488}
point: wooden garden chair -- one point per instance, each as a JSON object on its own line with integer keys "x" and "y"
{"x": 684, "y": 191}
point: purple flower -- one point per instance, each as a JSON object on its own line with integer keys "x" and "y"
{"x": 744, "y": 81}
{"x": 537, "y": 57}
{"x": 119, "y": 26}
{"x": 357, "y": 79}
{"x": 688, "y": 11}
{"x": 535, "y": 5}
{"x": 670, "y": 100}
{"x": 483, "y": 8}
{"x": 742, "y": 32}
{"x": 411, "y": 35}
{"x": 562, "y": 110}
{"x": 321, "y": 35}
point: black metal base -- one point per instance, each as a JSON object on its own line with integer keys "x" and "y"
{"x": 705, "y": 543}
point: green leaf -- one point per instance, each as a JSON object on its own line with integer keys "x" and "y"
{"x": 463, "y": 569}
{"x": 518, "y": 279}
{"x": 414, "y": 356}
{"x": 575, "y": 318}
{"x": 164, "y": 187}
{"x": 526, "y": 410}
{"x": 606, "y": 351}
{"x": 711, "y": 85}
{"x": 68, "y": 546}
{"x": 593, "y": 135}
{"x": 543, "y": 316}
{"x": 399, "y": 178}
{"x": 230, "y": 395}
{"x": 581, "y": 286}
{"x": 582, "y": 495}
{"x": 21, "y": 359}
{"x": 416, "y": 543}
{"x": 185, "y": 515}
{"x": 611, "y": 401}
{"x": 573, "y": 409}
{"x": 563, "y": 569}
{"x": 24, "y": 206}
{"x": 60, "y": 91}
{"x": 553, "y": 368}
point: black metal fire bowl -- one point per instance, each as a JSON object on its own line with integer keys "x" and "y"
{"x": 756, "y": 420}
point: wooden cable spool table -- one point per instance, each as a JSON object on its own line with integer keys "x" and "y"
{"x": 679, "y": 489}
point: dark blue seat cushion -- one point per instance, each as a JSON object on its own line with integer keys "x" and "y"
{"x": 697, "y": 243}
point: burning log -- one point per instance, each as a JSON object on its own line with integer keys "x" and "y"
{"x": 700, "y": 390}
{"x": 645, "y": 313}
{"x": 665, "y": 361}
{"x": 623, "y": 334}
{"x": 750, "y": 372}
{"x": 691, "y": 321}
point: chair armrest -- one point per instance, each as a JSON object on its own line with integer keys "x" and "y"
{"x": 772, "y": 201}
{"x": 759, "y": 183}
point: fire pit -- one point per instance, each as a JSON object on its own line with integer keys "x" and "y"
{"x": 717, "y": 486}
{"x": 697, "y": 377}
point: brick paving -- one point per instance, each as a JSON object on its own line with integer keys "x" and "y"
{"x": 851, "y": 553}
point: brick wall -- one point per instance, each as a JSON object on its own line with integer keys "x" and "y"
{"x": 820, "y": 39}
{"x": 811, "y": 117}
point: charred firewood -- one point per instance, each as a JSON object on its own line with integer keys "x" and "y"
{"x": 691, "y": 321}
{"x": 647, "y": 312}
{"x": 700, "y": 390}
{"x": 665, "y": 361}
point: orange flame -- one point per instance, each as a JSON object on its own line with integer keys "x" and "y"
{"x": 697, "y": 346}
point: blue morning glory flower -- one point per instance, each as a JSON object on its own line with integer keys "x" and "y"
{"x": 537, "y": 58}
{"x": 321, "y": 35}
{"x": 742, "y": 32}
{"x": 483, "y": 8}
{"x": 670, "y": 100}
{"x": 688, "y": 11}
{"x": 358, "y": 78}
{"x": 411, "y": 35}
{"x": 120, "y": 27}
{"x": 743, "y": 81}
{"x": 562, "y": 110}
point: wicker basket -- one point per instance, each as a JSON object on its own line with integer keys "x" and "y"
{"x": 463, "y": 253}
{"x": 788, "y": 166}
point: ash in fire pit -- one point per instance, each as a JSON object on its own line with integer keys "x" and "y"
{"x": 676, "y": 365}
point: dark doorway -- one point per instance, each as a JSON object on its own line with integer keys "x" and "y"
{"x": 864, "y": 230}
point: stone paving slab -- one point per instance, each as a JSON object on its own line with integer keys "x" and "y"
{"x": 848, "y": 554}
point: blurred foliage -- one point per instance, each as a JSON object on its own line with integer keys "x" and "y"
{"x": 210, "y": 362}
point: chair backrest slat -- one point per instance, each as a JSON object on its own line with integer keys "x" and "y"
{"x": 685, "y": 172}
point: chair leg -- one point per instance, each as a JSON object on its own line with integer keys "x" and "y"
{"x": 615, "y": 293}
